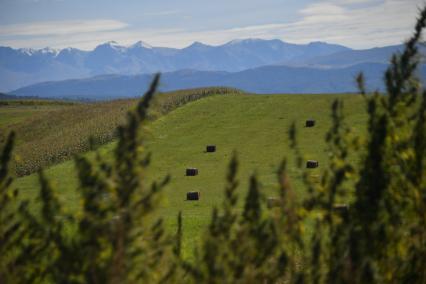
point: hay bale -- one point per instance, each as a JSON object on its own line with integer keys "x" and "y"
{"x": 193, "y": 195}
{"x": 211, "y": 148}
{"x": 311, "y": 164}
{"x": 272, "y": 202}
{"x": 191, "y": 172}
{"x": 310, "y": 123}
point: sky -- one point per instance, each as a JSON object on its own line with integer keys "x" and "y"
{"x": 84, "y": 24}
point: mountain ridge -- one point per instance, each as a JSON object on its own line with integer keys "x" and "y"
{"x": 22, "y": 67}
{"x": 263, "y": 80}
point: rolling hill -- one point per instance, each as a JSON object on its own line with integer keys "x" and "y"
{"x": 255, "y": 126}
{"x": 50, "y": 132}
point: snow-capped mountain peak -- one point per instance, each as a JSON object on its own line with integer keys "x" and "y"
{"x": 45, "y": 51}
{"x": 112, "y": 45}
{"x": 48, "y": 50}
{"x": 27, "y": 51}
{"x": 141, "y": 44}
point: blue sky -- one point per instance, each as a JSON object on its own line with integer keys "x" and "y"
{"x": 177, "y": 23}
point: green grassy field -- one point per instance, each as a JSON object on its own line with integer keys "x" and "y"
{"x": 255, "y": 126}
{"x": 15, "y": 112}
{"x": 50, "y": 132}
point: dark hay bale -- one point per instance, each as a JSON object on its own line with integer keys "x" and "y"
{"x": 310, "y": 164}
{"x": 211, "y": 148}
{"x": 193, "y": 195}
{"x": 191, "y": 172}
{"x": 310, "y": 123}
{"x": 272, "y": 202}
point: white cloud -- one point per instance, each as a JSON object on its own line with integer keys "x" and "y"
{"x": 354, "y": 23}
{"x": 350, "y": 2}
{"x": 162, "y": 13}
{"x": 377, "y": 24}
{"x": 60, "y": 27}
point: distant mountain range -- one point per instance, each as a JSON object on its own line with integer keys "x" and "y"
{"x": 266, "y": 79}
{"x": 22, "y": 67}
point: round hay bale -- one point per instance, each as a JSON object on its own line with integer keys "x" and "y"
{"x": 210, "y": 148}
{"x": 191, "y": 172}
{"x": 193, "y": 195}
{"x": 311, "y": 164}
{"x": 273, "y": 202}
{"x": 310, "y": 123}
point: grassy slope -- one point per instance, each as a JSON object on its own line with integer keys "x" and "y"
{"x": 61, "y": 130}
{"x": 256, "y": 126}
{"x": 15, "y": 112}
